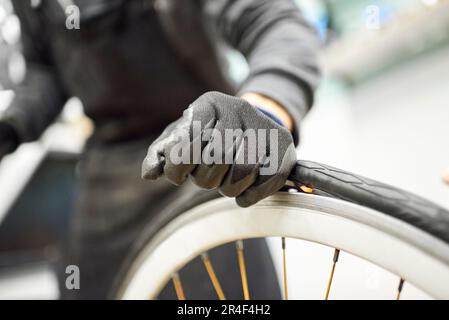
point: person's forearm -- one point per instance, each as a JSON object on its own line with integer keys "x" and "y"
{"x": 281, "y": 50}
{"x": 40, "y": 97}
{"x": 37, "y": 102}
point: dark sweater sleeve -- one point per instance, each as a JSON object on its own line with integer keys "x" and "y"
{"x": 40, "y": 97}
{"x": 279, "y": 45}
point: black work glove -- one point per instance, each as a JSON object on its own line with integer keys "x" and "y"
{"x": 8, "y": 139}
{"x": 218, "y": 142}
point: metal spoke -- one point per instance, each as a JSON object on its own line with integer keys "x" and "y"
{"x": 178, "y": 286}
{"x": 213, "y": 277}
{"x": 401, "y": 285}
{"x": 284, "y": 261}
{"x": 331, "y": 277}
{"x": 241, "y": 258}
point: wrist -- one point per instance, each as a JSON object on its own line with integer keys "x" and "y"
{"x": 270, "y": 108}
{"x": 446, "y": 175}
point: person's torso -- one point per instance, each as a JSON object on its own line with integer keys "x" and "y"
{"x": 121, "y": 66}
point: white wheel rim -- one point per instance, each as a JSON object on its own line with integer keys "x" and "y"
{"x": 387, "y": 242}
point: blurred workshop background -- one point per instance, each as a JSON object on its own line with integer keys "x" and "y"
{"x": 381, "y": 111}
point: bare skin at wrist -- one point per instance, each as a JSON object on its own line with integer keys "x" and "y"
{"x": 271, "y": 106}
{"x": 446, "y": 175}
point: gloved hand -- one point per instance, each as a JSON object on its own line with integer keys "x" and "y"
{"x": 8, "y": 139}
{"x": 224, "y": 142}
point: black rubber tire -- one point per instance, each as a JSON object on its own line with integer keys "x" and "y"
{"x": 400, "y": 204}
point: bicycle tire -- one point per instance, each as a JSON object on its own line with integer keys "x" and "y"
{"x": 327, "y": 181}
{"x": 366, "y": 192}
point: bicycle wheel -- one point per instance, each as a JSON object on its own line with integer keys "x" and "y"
{"x": 391, "y": 228}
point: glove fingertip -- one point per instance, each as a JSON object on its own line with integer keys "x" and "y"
{"x": 245, "y": 202}
{"x": 152, "y": 170}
